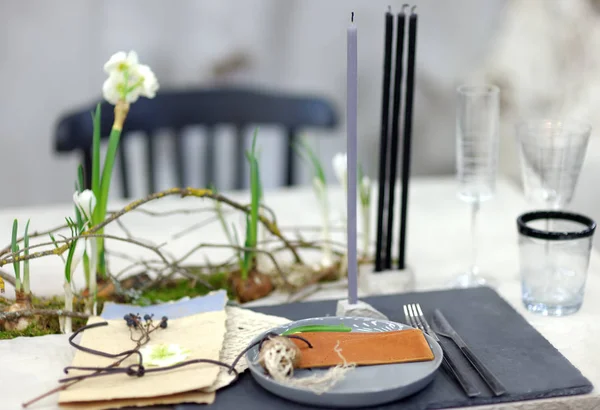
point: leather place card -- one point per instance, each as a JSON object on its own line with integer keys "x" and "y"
{"x": 402, "y": 346}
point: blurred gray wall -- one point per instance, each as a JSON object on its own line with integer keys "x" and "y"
{"x": 52, "y": 54}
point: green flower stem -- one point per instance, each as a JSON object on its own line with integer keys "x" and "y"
{"x": 321, "y": 194}
{"x": 111, "y": 153}
{"x": 317, "y": 328}
{"x": 253, "y": 217}
{"x": 366, "y": 222}
{"x": 26, "y": 283}
{"x": 69, "y": 261}
{"x": 86, "y": 268}
{"x": 15, "y": 250}
{"x": 121, "y": 110}
{"x": 101, "y": 271}
{"x": 96, "y": 152}
{"x": 327, "y": 251}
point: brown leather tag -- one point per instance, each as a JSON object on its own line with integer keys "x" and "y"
{"x": 400, "y": 346}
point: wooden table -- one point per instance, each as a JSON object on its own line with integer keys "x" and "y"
{"x": 438, "y": 249}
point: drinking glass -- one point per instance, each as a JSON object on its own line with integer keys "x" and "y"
{"x": 552, "y": 153}
{"x": 477, "y": 135}
{"x": 554, "y": 261}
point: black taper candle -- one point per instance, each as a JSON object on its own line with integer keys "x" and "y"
{"x": 393, "y": 164}
{"x": 406, "y": 149}
{"x": 383, "y": 143}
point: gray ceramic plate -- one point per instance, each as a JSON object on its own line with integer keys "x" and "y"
{"x": 363, "y": 386}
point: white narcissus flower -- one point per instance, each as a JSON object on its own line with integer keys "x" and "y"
{"x": 86, "y": 203}
{"x": 121, "y": 62}
{"x": 111, "y": 89}
{"x": 163, "y": 355}
{"x": 149, "y": 81}
{"x": 127, "y": 79}
{"x": 340, "y": 167}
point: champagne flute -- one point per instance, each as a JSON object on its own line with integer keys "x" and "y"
{"x": 477, "y": 137}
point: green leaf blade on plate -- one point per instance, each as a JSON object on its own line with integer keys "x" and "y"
{"x": 317, "y": 328}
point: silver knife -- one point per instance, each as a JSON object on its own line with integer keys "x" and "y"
{"x": 443, "y": 328}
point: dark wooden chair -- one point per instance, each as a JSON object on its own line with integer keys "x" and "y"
{"x": 177, "y": 110}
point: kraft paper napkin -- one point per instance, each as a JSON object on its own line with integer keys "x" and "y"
{"x": 203, "y": 334}
{"x": 190, "y": 397}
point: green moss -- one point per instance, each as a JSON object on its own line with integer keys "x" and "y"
{"x": 45, "y": 325}
{"x": 183, "y": 287}
{"x": 48, "y": 325}
{"x": 34, "y": 329}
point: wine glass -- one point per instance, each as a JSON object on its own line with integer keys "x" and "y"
{"x": 552, "y": 153}
{"x": 477, "y": 136}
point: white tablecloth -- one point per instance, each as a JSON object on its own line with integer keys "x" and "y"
{"x": 438, "y": 249}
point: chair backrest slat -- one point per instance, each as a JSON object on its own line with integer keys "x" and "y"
{"x": 179, "y": 158}
{"x": 151, "y": 162}
{"x": 176, "y": 110}
{"x": 240, "y": 157}
{"x": 290, "y": 171}
{"x": 208, "y": 159}
{"x": 124, "y": 170}
{"x": 86, "y": 162}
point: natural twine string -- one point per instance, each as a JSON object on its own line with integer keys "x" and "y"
{"x": 279, "y": 355}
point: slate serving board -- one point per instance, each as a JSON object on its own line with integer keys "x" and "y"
{"x": 528, "y": 365}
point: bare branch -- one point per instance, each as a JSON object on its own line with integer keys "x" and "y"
{"x": 195, "y": 226}
{"x": 239, "y": 248}
{"x": 183, "y": 192}
{"x": 8, "y": 278}
{"x": 126, "y": 231}
{"x": 36, "y": 234}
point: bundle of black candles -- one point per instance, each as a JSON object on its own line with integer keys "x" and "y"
{"x": 390, "y": 137}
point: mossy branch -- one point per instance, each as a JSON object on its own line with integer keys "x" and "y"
{"x": 41, "y": 312}
{"x": 183, "y": 192}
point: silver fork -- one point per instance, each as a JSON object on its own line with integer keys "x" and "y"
{"x": 414, "y": 317}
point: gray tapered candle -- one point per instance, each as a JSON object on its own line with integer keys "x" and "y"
{"x": 352, "y": 160}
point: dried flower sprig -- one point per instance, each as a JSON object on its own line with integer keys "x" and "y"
{"x": 163, "y": 355}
